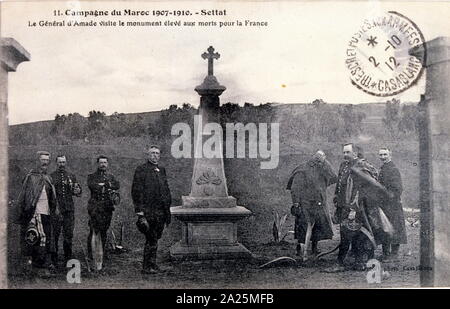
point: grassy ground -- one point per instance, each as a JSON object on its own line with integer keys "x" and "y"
{"x": 123, "y": 271}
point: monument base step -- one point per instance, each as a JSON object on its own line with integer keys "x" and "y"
{"x": 210, "y": 214}
{"x": 182, "y": 252}
{"x": 208, "y": 202}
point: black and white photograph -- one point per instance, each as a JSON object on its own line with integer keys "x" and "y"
{"x": 224, "y": 145}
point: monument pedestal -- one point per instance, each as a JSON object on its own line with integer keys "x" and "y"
{"x": 11, "y": 55}
{"x": 209, "y": 233}
{"x": 209, "y": 215}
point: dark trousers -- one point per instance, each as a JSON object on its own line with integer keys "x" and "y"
{"x": 66, "y": 225}
{"x": 99, "y": 221}
{"x": 39, "y": 254}
{"x": 151, "y": 243}
{"x": 359, "y": 243}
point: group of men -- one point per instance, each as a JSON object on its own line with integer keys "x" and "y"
{"x": 45, "y": 207}
{"x": 367, "y": 205}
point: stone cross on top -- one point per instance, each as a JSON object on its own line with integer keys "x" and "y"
{"x": 210, "y": 55}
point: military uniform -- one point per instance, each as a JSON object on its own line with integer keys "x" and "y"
{"x": 352, "y": 196}
{"x": 391, "y": 179}
{"x": 151, "y": 195}
{"x": 100, "y": 205}
{"x": 64, "y": 183}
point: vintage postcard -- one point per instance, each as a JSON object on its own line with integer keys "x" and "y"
{"x": 224, "y": 145}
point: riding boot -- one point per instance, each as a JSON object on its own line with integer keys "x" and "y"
{"x": 39, "y": 257}
{"x": 50, "y": 262}
{"x": 149, "y": 262}
{"x": 67, "y": 251}
{"x": 154, "y": 251}
{"x": 395, "y": 249}
{"x": 394, "y": 252}
{"x": 89, "y": 247}
{"x": 342, "y": 254}
{"x": 314, "y": 249}
{"x": 54, "y": 258}
{"x": 146, "y": 264}
{"x": 386, "y": 250}
{"x": 359, "y": 261}
{"x": 298, "y": 249}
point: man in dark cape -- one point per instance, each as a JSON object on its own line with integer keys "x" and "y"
{"x": 35, "y": 210}
{"x": 308, "y": 185}
{"x": 362, "y": 223}
{"x": 391, "y": 179}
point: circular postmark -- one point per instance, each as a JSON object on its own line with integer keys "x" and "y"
{"x": 378, "y": 55}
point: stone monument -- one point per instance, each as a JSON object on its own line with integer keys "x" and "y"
{"x": 11, "y": 55}
{"x": 209, "y": 215}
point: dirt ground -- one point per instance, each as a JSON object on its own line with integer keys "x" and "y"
{"x": 123, "y": 271}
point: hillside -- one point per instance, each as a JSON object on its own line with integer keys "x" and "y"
{"x": 373, "y": 111}
{"x": 39, "y": 132}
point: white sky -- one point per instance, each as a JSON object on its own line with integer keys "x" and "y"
{"x": 147, "y": 68}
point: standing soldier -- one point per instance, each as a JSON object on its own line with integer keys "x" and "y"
{"x": 37, "y": 206}
{"x": 391, "y": 179}
{"x": 308, "y": 184}
{"x": 104, "y": 196}
{"x": 355, "y": 208}
{"x": 66, "y": 186}
{"x": 151, "y": 198}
